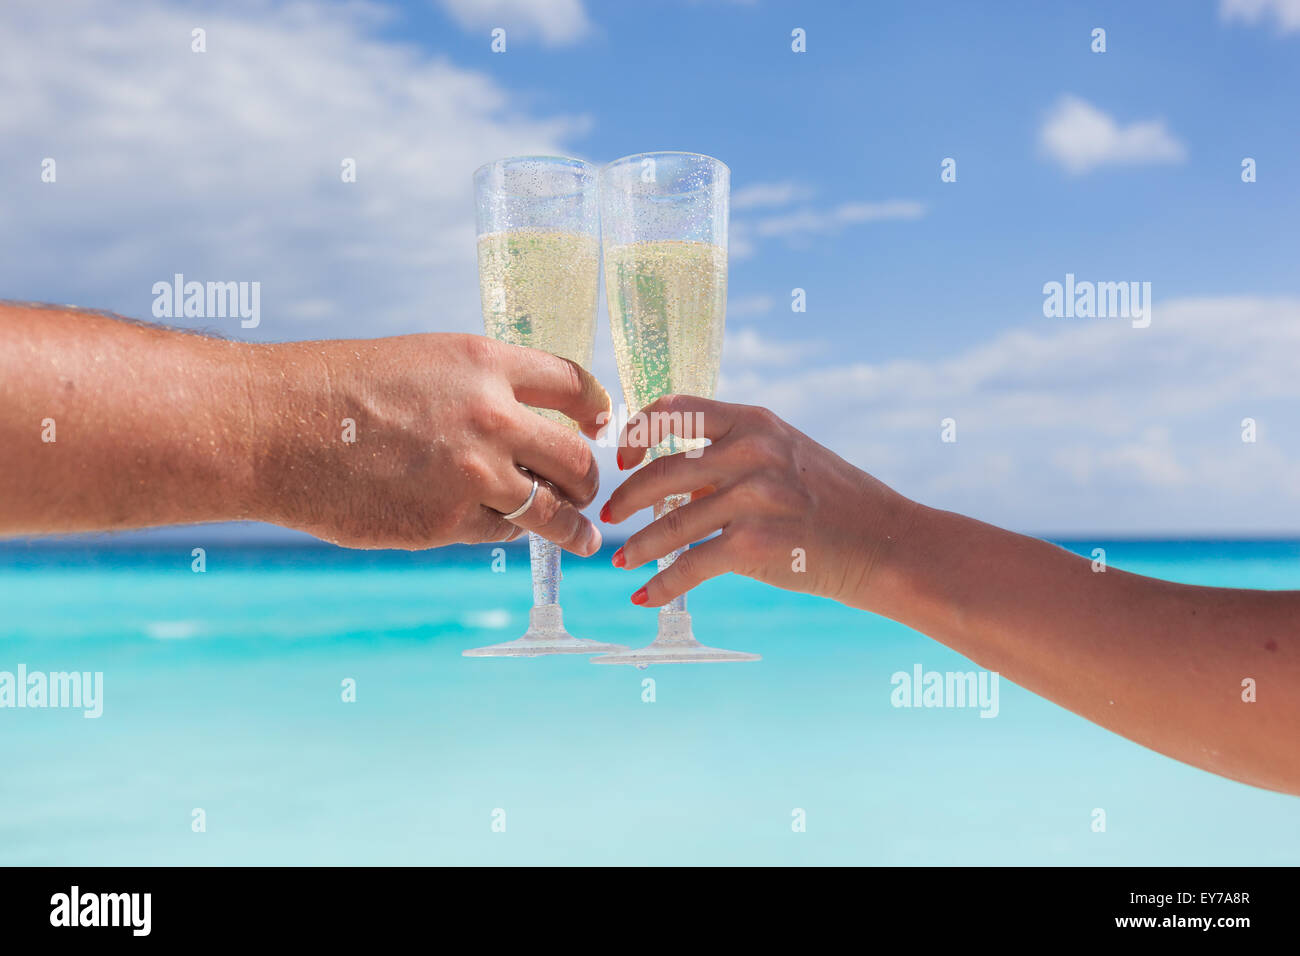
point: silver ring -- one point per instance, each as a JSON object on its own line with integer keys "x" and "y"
{"x": 525, "y": 506}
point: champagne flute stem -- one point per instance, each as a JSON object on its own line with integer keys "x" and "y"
{"x": 545, "y": 558}
{"x": 662, "y": 508}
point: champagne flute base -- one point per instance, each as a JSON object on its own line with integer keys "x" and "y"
{"x": 545, "y": 635}
{"x": 675, "y": 644}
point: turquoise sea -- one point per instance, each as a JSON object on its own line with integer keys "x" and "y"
{"x": 223, "y": 692}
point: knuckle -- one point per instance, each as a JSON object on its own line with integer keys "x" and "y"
{"x": 799, "y": 499}
{"x": 782, "y": 495}
{"x": 475, "y": 470}
{"x": 683, "y": 571}
{"x": 591, "y": 483}
{"x": 754, "y": 449}
{"x": 490, "y": 416}
{"x": 772, "y": 453}
{"x": 547, "y": 508}
{"x": 778, "y": 453}
{"x": 488, "y": 527}
{"x": 615, "y": 502}
{"x": 668, "y": 404}
{"x": 573, "y": 528}
{"x": 762, "y": 417}
{"x": 664, "y": 469}
{"x": 582, "y": 463}
{"x": 575, "y": 381}
{"x": 497, "y": 530}
{"x": 479, "y": 349}
{"x": 657, "y": 470}
{"x": 674, "y": 524}
{"x": 640, "y": 548}
{"x": 747, "y": 497}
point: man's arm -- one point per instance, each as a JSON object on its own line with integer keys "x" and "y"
{"x": 408, "y": 442}
{"x": 109, "y": 424}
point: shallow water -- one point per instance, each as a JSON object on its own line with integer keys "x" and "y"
{"x": 222, "y": 691}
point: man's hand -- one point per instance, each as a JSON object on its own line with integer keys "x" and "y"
{"x": 441, "y": 433}
{"x": 409, "y": 442}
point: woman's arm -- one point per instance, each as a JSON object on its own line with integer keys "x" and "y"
{"x": 1160, "y": 663}
{"x": 108, "y": 424}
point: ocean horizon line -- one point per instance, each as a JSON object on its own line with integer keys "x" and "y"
{"x": 202, "y": 536}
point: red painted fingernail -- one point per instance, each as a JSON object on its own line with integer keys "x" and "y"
{"x": 604, "y": 513}
{"x": 640, "y": 597}
{"x": 619, "y": 459}
{"x": 618, "y": 560}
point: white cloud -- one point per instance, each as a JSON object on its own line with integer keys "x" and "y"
{"x": 760, "y": 195}
{"x": 747, "y": 347}
{"x": 805, "y": 221}
{"x": 1081, "y": 137}
{"x": 225, "y": 165}
{"x": 556, "y": 22}
{"x": 796, "y": 225}
{"x": 1076, "y": 425}
{"x": 1285, "y": 12}
{"x": 740, "y": 241}
{"x": 749, "y": 306}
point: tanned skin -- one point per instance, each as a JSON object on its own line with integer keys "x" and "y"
{"x": 1161, "y": 663}
{"x": 153, "y": 426}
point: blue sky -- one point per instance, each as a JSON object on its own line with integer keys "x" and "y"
{"x": 886, "y": 91}
{"x": 924, "y": 297}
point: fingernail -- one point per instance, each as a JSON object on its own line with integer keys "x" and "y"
{"x": 604, "y": 512}
{"x": 618, "y": 560}
{"x": 618, "y": 457}
{"x": 593, "y": 541}
{"x": 640, "y": 597}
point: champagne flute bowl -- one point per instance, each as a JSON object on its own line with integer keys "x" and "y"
{"x": 539, "y": 273}
{"x": 664, "y": 232}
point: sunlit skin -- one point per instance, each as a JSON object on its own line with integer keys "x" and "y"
{"x": 155, "y": 427}
{"x": 1161, "y": 663}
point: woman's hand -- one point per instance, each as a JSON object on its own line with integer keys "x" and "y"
{"x": 439, "y": 431}
{"x": 791, "y": 513}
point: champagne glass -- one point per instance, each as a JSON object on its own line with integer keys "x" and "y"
{"x": 664, "y": 225}
{"x": 539, "y": 271}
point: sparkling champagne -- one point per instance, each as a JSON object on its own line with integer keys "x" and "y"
{"x": 667, "y": 304}
{"x": 540, "y": 289}
{"x": 538, "y": 223}
{"x": 664, "y": 227}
